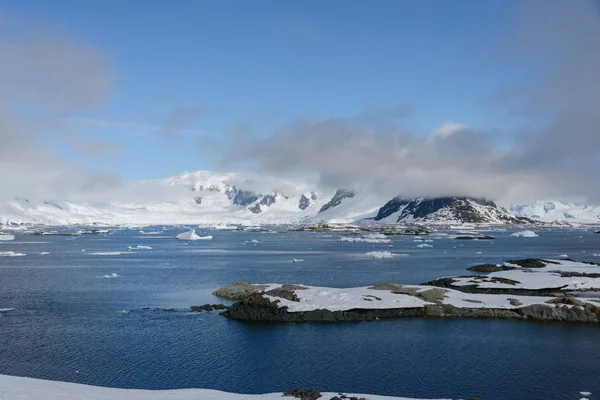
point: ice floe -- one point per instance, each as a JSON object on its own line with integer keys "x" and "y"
{"x": 379, "y": 254}
{"x": 111, "y": 276}
{"x": 525, "y": 234}
{"x": 139, "y": 247}
{"x": 10, "y": 254}
{"x": 369, "y": 238}
{"x": 5, "y": 238}
{"x": 424, "y": 246}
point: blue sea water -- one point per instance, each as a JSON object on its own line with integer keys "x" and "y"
{"x": 68, "y": 323}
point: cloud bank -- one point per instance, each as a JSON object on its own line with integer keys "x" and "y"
{"x": 43, "y": 77}
{"x": 560, "y": 158}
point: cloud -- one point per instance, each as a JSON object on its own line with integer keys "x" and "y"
{"x": 447, "y": 129}
{"x": 181, "y": 119}
{"x": 44, "y": 76}
{"x": 99, "y": 148}
{"x": 558, "y": 159}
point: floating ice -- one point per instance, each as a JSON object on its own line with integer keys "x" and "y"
{"x": 139, "y": 247}
{"x": 150, "y": 232}
{"x": 10, "y": 254}
{"x": 370, "y": 238}
{"x": 106, "y": 253}
{"x": 380, "y": 254}
{"x": 4, "y": 238}
{"x": 526, "y": 234}
{"x": 297, "y": 260}
{"x": 111, "y": 276}
{"x": 424, "y": 246}
{"x": 191, "y": 235}
{"x": 6, "y": 309}
{"x": 43, "y": 253}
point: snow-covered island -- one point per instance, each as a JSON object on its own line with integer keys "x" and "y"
{"x": 550, "y": 290}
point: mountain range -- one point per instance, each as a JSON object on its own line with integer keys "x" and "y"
{"x": 206, "y": 197}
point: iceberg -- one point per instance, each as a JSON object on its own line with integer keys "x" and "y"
{"x": 111, "y": 276}
{"x": 5, "y": 238}
{"x": 191, "y": 235}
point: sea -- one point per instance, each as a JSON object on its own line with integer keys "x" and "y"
{"x": 71, "y": 323}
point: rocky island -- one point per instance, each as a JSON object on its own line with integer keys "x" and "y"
{"x": 532, "y": 289}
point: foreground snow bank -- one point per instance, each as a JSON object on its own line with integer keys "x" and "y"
{"x": 13, "y": 387}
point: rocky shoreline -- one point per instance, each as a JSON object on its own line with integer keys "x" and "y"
{"x": 453, "y": 297}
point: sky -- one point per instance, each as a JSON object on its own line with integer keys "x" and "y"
{"x": 463, "y": 97}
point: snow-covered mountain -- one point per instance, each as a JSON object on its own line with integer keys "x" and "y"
{"x": 202, "y": 197}
{"x": 445, "y": 210}
{"x": 558, "y": 211}
{"x": 206, "y": 197}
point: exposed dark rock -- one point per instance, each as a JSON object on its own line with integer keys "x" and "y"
{"x": 448, "y": 283}
{"x": 337, "y": 198}
{"x": 391, "y": 207}
{"x": 531, "y": 263}
{"x": 303, "y": 394}
{"x": 230, "y": 191}
{"x": 239, "y": 290}
{"x": 313, "y": 196}
{"x": 463, "y": 209}
{"x": 478, "y": 237}
{"x": 287, "y": 286}
{"x": 433, "y": 295}
{"x": 303, "y": 203}
{"x": 284, "y": 294}
{"x": 514, "y": 302}
{"x": 387, "y": 286}
{"x": 208, "y": 307}
{"x": 268, "y": 199}
{"x": 487, "y": 268}
{"x": 244, "y": 198}
{"x": 198, "y": 200}
{"x": 255, "y": 209}
{"x": 258, "y": 308}
{"x": 571, "y": 301}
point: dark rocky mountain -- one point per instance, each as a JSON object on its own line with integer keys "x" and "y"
{"x": 304, "y": 202}
{"x": 448, "y": 209}
{"x": 391, "y": 207}
{"x": 244, "y": 198}
{"x": 337, "y": 198}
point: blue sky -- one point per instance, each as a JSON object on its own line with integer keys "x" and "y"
{"x": 222, "y": 65}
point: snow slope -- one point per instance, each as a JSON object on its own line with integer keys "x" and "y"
{"x": 13, "y": 387}
{"x": 558, "y": 211}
